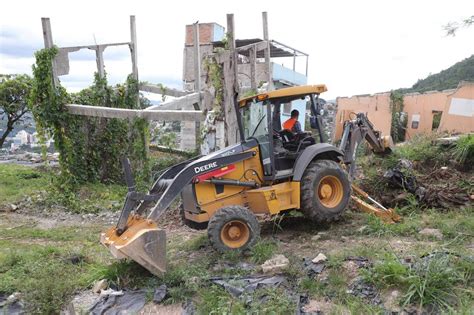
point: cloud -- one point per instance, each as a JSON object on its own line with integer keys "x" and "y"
{"x": 18, "y": 43}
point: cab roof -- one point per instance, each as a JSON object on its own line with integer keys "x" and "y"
{"x": 290, "y": 91}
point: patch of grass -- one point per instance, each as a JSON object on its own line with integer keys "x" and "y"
{"x": 45, "y": 275}
{"x": 66, "y": 234}
{"x": 458, "y": 223}
{"x": 435, "y": 281}
{"x": 272, "y": 301}
{"x": 464, "y": 150}
{"x": 389, "y": 272}
{"x": 184, "y": 281}
{"x": 421, "y": 148}
{"x": 87, "y": 198}
{"x": 123, "y": 274}
{"x": 312, "y": 287}
{"x": 196, "y": 243}
{"x": 376, "y": 227}
{"x": 18, "y": 181}
{"x": 263, "y": 251}
{"x": 215, "y": 300}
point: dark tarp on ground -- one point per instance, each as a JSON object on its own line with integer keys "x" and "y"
{"x": 130, "y": 302}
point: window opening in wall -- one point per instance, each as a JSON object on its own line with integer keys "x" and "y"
{"x": 436, "y": 119}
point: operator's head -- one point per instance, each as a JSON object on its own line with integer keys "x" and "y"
{"x": 295, "y": 113}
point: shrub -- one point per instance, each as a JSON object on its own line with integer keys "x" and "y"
{"x": 464, "y": 150}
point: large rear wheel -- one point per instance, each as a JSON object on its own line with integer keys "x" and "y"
{"x": 233, "y": 228}
{"x": 325, "y": 191}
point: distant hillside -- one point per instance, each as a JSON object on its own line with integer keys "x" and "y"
{"x": 446, "y": 79}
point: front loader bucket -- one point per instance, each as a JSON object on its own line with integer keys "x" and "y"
{"x": 142, "y": 242}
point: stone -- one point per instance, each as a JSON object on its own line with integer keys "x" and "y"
{"x": 99, "y": 286}
{"x": 13, "y": 207}
{"x": 432, "y": 232}
{"x": 275, "y": 264}
{"x": 320, "y": 258}
{"x": 316, "y": 237}
{"x": 362, "y": 229}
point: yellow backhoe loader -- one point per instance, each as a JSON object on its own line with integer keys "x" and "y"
{"x": 269, "y": 171}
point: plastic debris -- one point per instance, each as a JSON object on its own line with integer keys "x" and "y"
{"x": 238, "y": 286}
{"x": 159, "y": 294}
{"x": 129, "y": 302}
{"x": 311, "y": 268}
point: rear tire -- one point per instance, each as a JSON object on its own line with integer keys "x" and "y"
{"x": 325, "y": 191}
{"x": 233, "y": 228}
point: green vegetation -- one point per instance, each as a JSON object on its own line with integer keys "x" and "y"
{"x": 90, "y": 148}
{"x": 464, "y": 150}
{"x": 263, "y": 251}
{"x": 17, "y": 181}
{"x": 216, "y": 300}
{"x": 14, "y": 94}
{"x": 446, "y": 79}
{"x": 432, "y": 280}
{"x": 399, "y": 122}
{"x": 47, "y": 266}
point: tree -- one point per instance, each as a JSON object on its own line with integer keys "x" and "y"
{"x": 452, "y": 27}
{"x": 14, "y": 93}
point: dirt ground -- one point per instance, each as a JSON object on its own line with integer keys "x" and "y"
{"x": 294, "y": 237}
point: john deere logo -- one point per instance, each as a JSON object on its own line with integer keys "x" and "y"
{"x": 199, "y": 169}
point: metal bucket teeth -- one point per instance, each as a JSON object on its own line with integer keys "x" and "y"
{"x": 142, "y": 242}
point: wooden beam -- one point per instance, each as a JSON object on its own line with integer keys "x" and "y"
{"x": 123, "y": 113}
{"x": 155, "y": 88}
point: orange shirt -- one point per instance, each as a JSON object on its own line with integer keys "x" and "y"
{"x": 288, "y": 125}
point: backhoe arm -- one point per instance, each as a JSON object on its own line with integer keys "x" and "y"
{"x": 357, "y": 130}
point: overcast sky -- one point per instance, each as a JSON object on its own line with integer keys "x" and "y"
{"x": 355, "y": 47}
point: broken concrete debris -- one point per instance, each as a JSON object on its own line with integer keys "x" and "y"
{"x": 319, "y": 258}
{"x": 99, "y": 286}
{"x": 275, "y": 264}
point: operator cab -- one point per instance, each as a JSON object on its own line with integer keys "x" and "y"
{"x": 261, "y": 119}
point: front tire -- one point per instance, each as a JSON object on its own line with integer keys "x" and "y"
{"x": 325, "y": 191}
{"x": 233, "y": 228}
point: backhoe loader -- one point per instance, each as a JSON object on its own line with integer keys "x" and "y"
{"x": 269, "y": 171}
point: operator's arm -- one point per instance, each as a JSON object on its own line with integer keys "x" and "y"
{"x": 297, "y": 127}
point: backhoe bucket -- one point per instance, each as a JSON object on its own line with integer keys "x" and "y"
{"x": 142, "y": 242}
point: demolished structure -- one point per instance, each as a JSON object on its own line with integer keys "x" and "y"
{"x": 443, "y": 111}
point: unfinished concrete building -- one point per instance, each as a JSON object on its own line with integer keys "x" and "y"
{"x": 443, "y": 111}
{"x": 254, "y": 70}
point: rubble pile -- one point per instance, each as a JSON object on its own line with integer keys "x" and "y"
{"x": 436, "y": 188}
